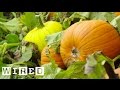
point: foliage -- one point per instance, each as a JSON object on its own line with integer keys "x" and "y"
{"x": 14, "y": 52}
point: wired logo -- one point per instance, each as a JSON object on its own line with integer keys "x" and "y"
{"x": 23, "y": 71}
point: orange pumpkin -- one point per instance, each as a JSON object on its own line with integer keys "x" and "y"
{"x": 117, "y": 13}
{"x": 50, "y": 53}
{"x": 86, "y": 37}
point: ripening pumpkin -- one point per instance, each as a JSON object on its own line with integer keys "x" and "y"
{"x": 50, "y": 53}
{"x": 86, "y": 37}
{"x": 117, "y": 13}
{"x": 38, "y": 34}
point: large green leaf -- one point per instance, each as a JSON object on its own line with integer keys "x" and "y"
{"x": 13, "y": 25}
{"x": 74, "y": 71}
{"x": 94, "y": 68}
{"x": 12, "y": 38}
{"x": 50, "y": 70}
{"x": 106, "y": 16}
{"x": 29, "y": 20}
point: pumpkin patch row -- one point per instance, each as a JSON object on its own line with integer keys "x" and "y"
{"x": 86, "y": 37}
{"x": 78, "y": 41}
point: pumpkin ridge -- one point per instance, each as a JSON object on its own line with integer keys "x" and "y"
{"x": 104, "y": 47}
{"x": 86, "y": 50}
{"x": 97, "y": 39}
{"x": 69, "y": 29}
{"x": 115, "y": 48}
{"x": 78, "y": 31}
{"x": 82, "y": 40}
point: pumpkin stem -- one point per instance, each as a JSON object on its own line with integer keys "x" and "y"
{"x": 75, "y": 52}
{"x": 41, "y": 25}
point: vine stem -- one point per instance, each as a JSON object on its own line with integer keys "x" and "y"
{"x": 116, "y": 58}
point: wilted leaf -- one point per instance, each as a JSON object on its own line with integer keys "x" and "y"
{"x": 90, "y": 65}
{"x": 27, "y": 54}
{"x": 94, "y": 67}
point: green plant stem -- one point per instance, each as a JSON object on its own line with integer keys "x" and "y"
{"x": 116, "y": 58}
{"x": 4, "y": 20}
{"x": 3, "y": 51}
{"x": 14, "y": 14}
{"x": 10, "y": 45}
{"x": 4, "y": 48}
{"x": 13, "y": 45}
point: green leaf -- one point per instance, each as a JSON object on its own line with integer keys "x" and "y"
{"x": 2, "y": 17}
{"x": 116, "y": 23}
{"x": 3, "y": 76}
{"x": 12, "y": 38}
{"x": 29, "y": 20}
{"x": 26, "y": 53}
{"x": 74, "y": 71}
{"x": 66, "y": 23}
{"x": 75, "y": 16}
{"x": 53, "y": 40}
{"x": 3, "y": 49}
{"x": 2, "y": 65}
{"x": 13, "y": 25}
{"x": 94, "y": 68}
{"x": 50, "y": 70}
{"x": 1, "y": 14}
{"x": 106, "y": 16}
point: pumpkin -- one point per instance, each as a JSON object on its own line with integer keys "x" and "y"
{"x": 117, "y": 13}
{"x": 38, "y": 34}
{"x": 50, "y": 53}
{"x": 86, "y": 37}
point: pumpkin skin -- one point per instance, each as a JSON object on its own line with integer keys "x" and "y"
{"x": 117, "y": 13}
{"x": 38, "y": 35}
{"x": 86, "y": 37}
{"x": 53, "y": 55}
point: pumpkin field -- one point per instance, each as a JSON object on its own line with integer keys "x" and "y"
{"x": 68, "y": 45}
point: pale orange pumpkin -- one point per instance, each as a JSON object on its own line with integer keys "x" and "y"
{"x": 50, "y": 53}
{"x": 86, "y": 37}
{"x": 117, "y": 13}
